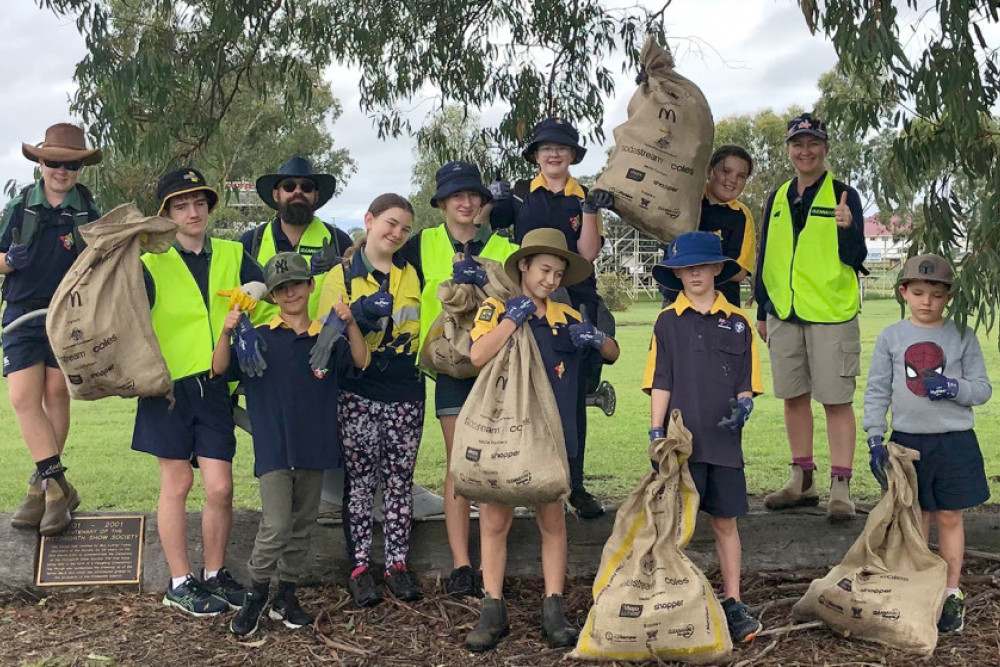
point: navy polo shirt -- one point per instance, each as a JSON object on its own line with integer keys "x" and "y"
{"x": 198, "y": 263}
{"x": 282, "y": 244}
{"x": 52, "y": 251}
{"x": 293, "y": 413}
{"x": 703, "y": 360}
{"x": 561, "y": 357}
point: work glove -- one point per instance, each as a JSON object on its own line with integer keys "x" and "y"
{"x": 740, "y": 413}
{"x": 468, "y": 271}
{"x": 584, "y": 333}
{"x": 372, "y": 312}
{"x": 323, "y": 259}
{"x": 878, "y": 460}
{"x": 939, "y": 387}
{"x": 245, "y": 296}
{"x": 656, "y": 433}
{"x": 249, "y": 348}
{"x": 17, "y": 254}
{"x": 500, "y": 190}
{"x": 319, "y": 355}
{"x": 598, "y": 199}
{"x": 518, "y": 309}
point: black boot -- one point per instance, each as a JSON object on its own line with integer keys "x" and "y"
{"x": 491, "y": 628}
{"x": 247, "y": 619}
{"x": 555, "y": 628}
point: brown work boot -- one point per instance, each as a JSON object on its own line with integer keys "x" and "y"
{"x": 60, "y": 500}
{"x": 841, "y": 507}
{"x": 799, "y": 491}
{"x": 29, "y": 513}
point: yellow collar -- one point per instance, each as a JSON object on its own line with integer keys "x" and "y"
{"x": 572, "y": 187}
{"x": 314, "y": 327}
{"x": 555, "y": 312}
{"x": 682, "y": 303}
{"x": 733, "y": 204}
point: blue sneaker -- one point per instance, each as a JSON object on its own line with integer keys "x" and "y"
{"x": 222, "y": 585}
{"x": 192, "y": 597}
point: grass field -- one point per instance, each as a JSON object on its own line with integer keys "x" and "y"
{"x": 112, "y": 477}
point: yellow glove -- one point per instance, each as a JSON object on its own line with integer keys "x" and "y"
{"x": 245, "y": 296}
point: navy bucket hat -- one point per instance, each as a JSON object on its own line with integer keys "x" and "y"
{"x": 693, "y": 249}
{"x": 459, "y": 176}
{"x": 297, "y": 167}
{"x": 555, "y": 131}
{"x": 181, "y": 182}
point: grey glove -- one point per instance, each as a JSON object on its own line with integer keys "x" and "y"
{"x": 319, "y": 355}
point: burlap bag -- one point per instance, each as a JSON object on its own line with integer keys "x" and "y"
{"x": 509, "y": 446}
{"x": 657, "y": 169}
{"x": 448, "y": 342}
{"x": 98, "y": 321}
{"x": 890, "y": 587}
{"x": 650, "y": 600}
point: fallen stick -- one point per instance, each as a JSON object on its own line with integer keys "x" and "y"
{"x": 747, "y": 663}
{"x": 340, "y": 646}
{"x": 972, "y": 553}
{"x": 786, "y": 629}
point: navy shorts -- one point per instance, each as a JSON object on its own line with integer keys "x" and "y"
{"x": 950, "y": 472}
{"x": 450, "y": 394}
{"x": 201, "y": 423}
{"x": 723, "y": 490}
{"x": 27, "y": 345}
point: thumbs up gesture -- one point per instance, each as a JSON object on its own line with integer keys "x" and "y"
{"x": 842, "y": 213}
{"x": 324, "y": 259}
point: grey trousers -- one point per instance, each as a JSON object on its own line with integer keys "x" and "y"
{"x": 289, "y": 502}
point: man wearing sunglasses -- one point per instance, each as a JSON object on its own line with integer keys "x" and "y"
{"x": 39, "y": 240}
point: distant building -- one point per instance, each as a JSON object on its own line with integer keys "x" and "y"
{"x": 886, "y": 242}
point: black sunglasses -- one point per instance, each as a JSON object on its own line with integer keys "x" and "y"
{"x": 289, "y": 186}
{"x": 73, "y": 165}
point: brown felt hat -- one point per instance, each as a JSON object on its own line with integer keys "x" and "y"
{"x": 549, "y": 241}
{"x": 63, "y": 143}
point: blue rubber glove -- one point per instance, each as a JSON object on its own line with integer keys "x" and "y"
{"x": 740, "y": 413}
{"x": 370, "y": 310}
{"x": 518, "y": 309}
{"x": 598, "y": 199}
{"x": 878, "y": 459}
{"x": 656, "y": 433}
{"x": 323, "y": 259}
{"x": 468, "y": 272}
{"x": 249, "y": 348}
{"x": 17, "y": 254}
{"x": 319, "y": 355}
{"x": 500, "y": 190}
{"x": 584, "y": 333}
{"x": 939, "y": 387}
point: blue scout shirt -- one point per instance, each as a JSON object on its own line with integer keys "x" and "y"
{"x": 52, "y": 251}
{"x": 560, "y": 356}
{"x": 293, "y": 413}
{"x": 703, "y": 360}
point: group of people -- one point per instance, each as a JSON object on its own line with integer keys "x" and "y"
{"x": 324, "y": 332}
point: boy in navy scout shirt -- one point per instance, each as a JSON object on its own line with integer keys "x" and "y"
{"x": 703, "y": 362}
{"x": 293, "y": 414}
{"x": 930, "y": 375}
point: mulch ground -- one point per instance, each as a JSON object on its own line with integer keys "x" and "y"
{"x": 124, "y": 629}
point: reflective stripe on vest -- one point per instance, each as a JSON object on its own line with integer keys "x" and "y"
{"x": 310, "y": 243}
{"x": 805, "y": 276}
{"x": 186, "y": 331}
{"x": 436, "y": 257}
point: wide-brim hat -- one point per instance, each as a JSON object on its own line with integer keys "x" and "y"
{"x": 63, "y": 143}
{"x": 459, "y": 176}
{"x": 693, "y": 249}
{"x": 549, "y": 241}
{"x": 181, "y": 182}
{"x": 285, "y": 267}
{"x": 296, "y": 167}
{"x": 555, "y": 131}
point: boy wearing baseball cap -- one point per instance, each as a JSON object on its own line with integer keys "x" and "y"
{"x": 703, "y": 362}
{"x": 292, "y": 406}
{"x": 930, "y": 375}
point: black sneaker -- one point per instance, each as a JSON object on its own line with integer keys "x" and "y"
{"x": 953, "y": 615}
{"x": 462, "y": 583}
{"x": 401, "y": 584}
{"x": 363, "y": 588}
{"x": 222, "y": 585}
{"x": 285, "y": 608}
{"x": 192, "y": 597}
{"x": 245, "y": 621}
{"x": 587, "y": 506}
{"x": 742, "y": 626}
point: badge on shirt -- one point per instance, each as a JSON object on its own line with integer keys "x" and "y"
{"x": 574, "y": 222}
{"x": 486, "y": 314}
{"x": 560, "y": 369}
{"x": 724, "y": 323}
{"x": 67, "y": 241}
{"x": 740, "y": 326}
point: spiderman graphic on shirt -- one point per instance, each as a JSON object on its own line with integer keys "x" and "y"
{"x": 922, "y": 360}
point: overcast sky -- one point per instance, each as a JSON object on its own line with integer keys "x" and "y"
{"x": 745, "y": 55}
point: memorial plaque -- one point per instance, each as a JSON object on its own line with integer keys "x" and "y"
{"x": 93, "y": 550}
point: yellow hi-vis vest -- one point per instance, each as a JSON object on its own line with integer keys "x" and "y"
{"x": 805, "y": 276}
{"x": 186, "y": 330}
{"x": 436, "y": 257}
{"x": 310, "y": 243}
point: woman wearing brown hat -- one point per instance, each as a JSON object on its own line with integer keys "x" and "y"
{"x": 39, "y": 240}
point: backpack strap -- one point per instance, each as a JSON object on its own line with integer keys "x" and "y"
{"x": 257, "y": 239}
{"x": 334, "y": 241}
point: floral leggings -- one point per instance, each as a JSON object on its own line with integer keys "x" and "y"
{"x": 379, "y": 441}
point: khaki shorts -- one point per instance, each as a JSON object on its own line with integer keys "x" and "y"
{"x": 818, "y": 359}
